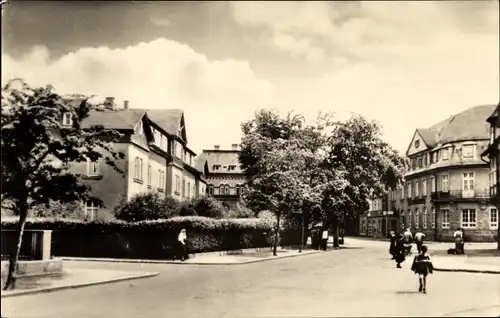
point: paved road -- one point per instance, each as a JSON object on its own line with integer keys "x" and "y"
{"x": 350, "y": 282}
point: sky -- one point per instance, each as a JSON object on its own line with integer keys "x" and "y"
{"x": 406, "y": 65}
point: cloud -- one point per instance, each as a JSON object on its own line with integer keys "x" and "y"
{"x": 160, "y": 22}
{"x": 405, "y": 64}
{"x": 157, "y": 74}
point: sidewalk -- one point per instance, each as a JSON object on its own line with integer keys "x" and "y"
{"x": 214, "y": 258}
{"x": 72, "y": 278}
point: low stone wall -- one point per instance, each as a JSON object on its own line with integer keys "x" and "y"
{"x": 33, "y": 268}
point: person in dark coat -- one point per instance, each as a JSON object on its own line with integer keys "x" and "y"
{"x": 422, "y": 266}
{"x": 392, "y": 248}
{"x": 400, "y": 250}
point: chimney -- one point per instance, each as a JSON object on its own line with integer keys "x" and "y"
{"x": 216, "y": 147}
{"x": 109, "y": 103}
{"x": 125, "y": 105}
{"x": 234, "y": 146}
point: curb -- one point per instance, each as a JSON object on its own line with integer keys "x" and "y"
{"x": 478, "y": 271}
{"x": 58, "y": 288}
{"x": 111, "y": 260}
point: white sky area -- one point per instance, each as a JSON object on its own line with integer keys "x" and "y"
{"x": 405, "y": 64}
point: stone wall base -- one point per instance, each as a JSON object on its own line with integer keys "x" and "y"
{"x": 33, "y": 268}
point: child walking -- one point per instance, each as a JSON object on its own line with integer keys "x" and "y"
{"x": 422, "y": 266}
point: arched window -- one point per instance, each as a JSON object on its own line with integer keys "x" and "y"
{"x": 210, "y": 189}
{"x": 227, "y": 189}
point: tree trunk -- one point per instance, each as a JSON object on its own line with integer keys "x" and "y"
{"x": 302, "y": 234}
{"x": 336, "y": 233}
{"x": 13, "y": 258}
{"x": 276, "y": 235}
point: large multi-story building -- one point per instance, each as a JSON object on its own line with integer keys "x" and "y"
{"x": 383, "y": 215}
{"x": 225, "y": 178}
{"x": 493, "y": 153}
{"x": 157, "y": 157}
{"x": 447, "y": 185}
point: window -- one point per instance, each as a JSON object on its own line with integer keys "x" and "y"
{"x": 445, "y": 218}
{"x": 189, "y": 190}
{"x": 444, "y": 183}
{"x": 174, "y": 148}
{"x": 210, "y": 189}
{"x": 445, "y": 153}
{"x": 417, "y": 186}
{"x": 228, "y": 190}
{"x": 91, "y": 210}
{"x": 238, "y": 190}
{"x": 183, "y": 187}
{"x": 138, "y": 165}
{"x": 194, "y": 191}
{"x": 420, "y": 163}
{"x": 493, "y": 218}
{"x": 468, "y": 181}
{"x": 161, "y": 179}
{"x": 164, "y": 143}
{"x": 67, "y": 119}
{"x": 424, "y": 187}
{"x": 424, "y": 219}
{"x": 417, "y": 143}
{"x": 92, "y": 168}
{"x": 417, "y": 218}
{"x": 433, "y": 218}
{"x": 409, "y": 190}
{"x": 177, "y": 184}
{"x": 140, "y": 128}
{"x": 231, "y": 167}
{"x": 149, "y": 176}
{"x": 433, "y": 184}
{"x": 468, "y": 151}
{"x": 216, "y": 167}
{"x": 468, "y": 218}
{"x": 410, "y": 218}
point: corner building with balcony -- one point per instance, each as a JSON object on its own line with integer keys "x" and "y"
{"x": 492, "y": 156}
{"x": 447, "y": 185}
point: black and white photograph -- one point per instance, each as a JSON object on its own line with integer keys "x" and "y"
{"x": 209, "y": 159}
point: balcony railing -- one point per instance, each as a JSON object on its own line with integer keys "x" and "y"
{"x": 461, "y": 194}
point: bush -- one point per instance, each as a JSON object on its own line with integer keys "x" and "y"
{"x": 148, "y": 206}
{"x": 203, "y": 206}
{"x": 149, "y": 239}
{"x": 241, "y": 212}
{"x": 59, "y": 210}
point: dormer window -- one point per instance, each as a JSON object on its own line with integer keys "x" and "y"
{"x": 445, "y": 153}
{"x": 67, "y": 119}
{"x": 216, "y": 167}
{"x": 417, "y": 143}
{"x": 231, "y": 168}
{"x": 468, "y": 151}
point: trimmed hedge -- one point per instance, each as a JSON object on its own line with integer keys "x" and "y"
{"x": 148, "y": 239}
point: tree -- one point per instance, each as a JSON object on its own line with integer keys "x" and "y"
{"x": 38, "y": 151}
{"x": 277, "y": 154}
{"x": 369, "y": 164}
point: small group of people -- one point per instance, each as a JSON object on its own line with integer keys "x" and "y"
{"x": 458, "y": 236}
{"x": 401, "y": 247}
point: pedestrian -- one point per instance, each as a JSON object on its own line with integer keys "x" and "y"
{"x": 393, "y": 246}
{"x": 408, "y": 239}
{"x": 422, "y": 266}
{"x": 419, "y": 240}
{"x": 463, "y": 241}
{"x": 181, "y": 250}
{"x": 400, "y": 250}
{"x": 324, "y": 238}
{"x": 458, "y": 236}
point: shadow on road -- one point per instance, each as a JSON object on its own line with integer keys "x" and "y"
{"x": 406, "y": 292}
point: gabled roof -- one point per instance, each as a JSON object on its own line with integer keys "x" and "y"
{"x": 224, "y": 158}
{"x": 170, "y": 120}
{"x": 120, "y": 120}
{"x": 467, "y": 125}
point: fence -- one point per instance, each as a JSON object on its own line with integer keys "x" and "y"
{"x": 30, "y": 247}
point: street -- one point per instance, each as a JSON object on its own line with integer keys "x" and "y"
{"x": 348, "y": 282}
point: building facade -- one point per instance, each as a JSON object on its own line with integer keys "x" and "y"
{"x": 383, "y": 216}
{"x": 493, "y": 155}
{"x": 157, "y": 158}
{"x": 447, "y": 185}
{"x": 224, "y": 175}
